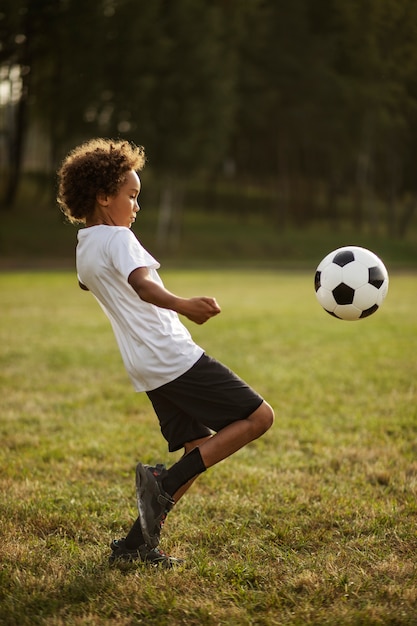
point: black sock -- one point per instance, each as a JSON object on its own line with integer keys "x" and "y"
{"x": 134, "y": 538}
{"x": 181, "y": 472}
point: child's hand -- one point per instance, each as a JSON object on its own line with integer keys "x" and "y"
{"x": 200, "y": 310}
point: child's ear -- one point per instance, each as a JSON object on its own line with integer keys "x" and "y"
{"x": 102, "y": 199}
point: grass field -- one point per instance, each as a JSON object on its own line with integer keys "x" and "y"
{"x": 37, "y": 236}
{"x": 315, "y": 523}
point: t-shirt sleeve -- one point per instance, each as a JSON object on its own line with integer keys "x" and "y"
{"x": 127, "y": 253}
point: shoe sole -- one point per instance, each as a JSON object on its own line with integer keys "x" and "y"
{"x": 120, "y": 557}
{"x": 169, "y": 563}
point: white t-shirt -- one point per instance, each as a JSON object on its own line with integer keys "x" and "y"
{"x": 155, "y": 346}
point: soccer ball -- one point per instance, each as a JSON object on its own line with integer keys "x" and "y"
{"x": 351, "y": 283}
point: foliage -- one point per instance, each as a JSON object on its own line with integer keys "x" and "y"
{"x": 312, "y": 524}
{"x": 315, "y": 100}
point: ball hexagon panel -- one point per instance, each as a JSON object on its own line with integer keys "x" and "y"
{"x": 365, "y": 297}
{"x": 326, "y": 299}
{"x": 366, "y": 257}
{"x": 347, "y": 312}
{"x": 331, "y": 276}
{"x": 355, "y": 275}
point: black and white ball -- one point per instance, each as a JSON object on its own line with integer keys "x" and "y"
{"x": 351, "y": 283}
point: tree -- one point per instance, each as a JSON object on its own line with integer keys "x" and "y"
{"x": 17, "y": 26}
{"x": 315, "y": 100}
{"x": 289, "y": 94}
{"x": 378, "y": 60}
{"x": 176, "y": 94}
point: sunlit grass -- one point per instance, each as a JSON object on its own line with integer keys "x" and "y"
{"x": 315, "y": 523}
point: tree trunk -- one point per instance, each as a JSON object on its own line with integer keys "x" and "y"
{"x": 17, "y": 132}
{"x": 168, "y": 234}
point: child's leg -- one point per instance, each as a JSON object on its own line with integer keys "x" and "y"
{"x": 175, "y": 481}
{"x": 190, "y": 445}
{"x": 213, "y": 449}
{"x": 228, "y": 440}
{"x": 236, "y": 435}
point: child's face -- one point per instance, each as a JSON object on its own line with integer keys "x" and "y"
{"x": 121, "y": 208}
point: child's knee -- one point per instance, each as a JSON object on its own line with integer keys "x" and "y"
{"x": 269, "y": 416}
{"x": 264, "y": 417}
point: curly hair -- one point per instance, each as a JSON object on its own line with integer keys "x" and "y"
{"x": 96, "y": 166}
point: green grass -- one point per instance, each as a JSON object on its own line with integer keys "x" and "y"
{"x": 315, "y": 523}
{"x": 39, "y": 237}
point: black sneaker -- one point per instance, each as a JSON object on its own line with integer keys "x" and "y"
{"x": 157, "y": 470}
{"x": 144, "y": 554}
{"x": 153, "y": 502}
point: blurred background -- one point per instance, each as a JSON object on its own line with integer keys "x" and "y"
{"x": 275, "y": 131}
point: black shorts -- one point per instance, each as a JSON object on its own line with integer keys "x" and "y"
{"x": 203, "y": 400}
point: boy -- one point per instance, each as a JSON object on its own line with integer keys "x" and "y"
{"x": 201, "y": 405}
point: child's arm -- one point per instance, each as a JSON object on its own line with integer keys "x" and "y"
{"x": 198, "y": 310}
